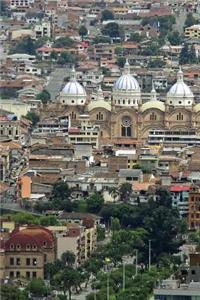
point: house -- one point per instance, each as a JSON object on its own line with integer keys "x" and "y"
{"x": 180, "y": 198}
{"x": 130, "y": 175}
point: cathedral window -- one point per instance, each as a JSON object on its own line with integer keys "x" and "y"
{"x": 99, "y": 116}
{"x": 126, "y": 127}
{"x": 123, "y": 101}
{"x": 128, "y": 101}
{"x": 73, "y": 116}
{"x": 179, "y": 117}
{"x": 153, "y": 117}
{"x": 118, "y": 101}
{"x": 72, "y": 101}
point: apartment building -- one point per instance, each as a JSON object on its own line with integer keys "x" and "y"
{"x": 26, "y": 251}
{"x": 194, "y": 209}
{"x": 193, "y": 31}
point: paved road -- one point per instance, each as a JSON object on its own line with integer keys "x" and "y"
{"x": 55, "y": 82}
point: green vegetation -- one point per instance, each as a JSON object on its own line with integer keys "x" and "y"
{"x": 135, "y": 37}
{"x": 113, "y": 30}
{"x": 63, "y": 42}
{"x": 156, "y": 63}
{"x": 175, "y": 38}
{"x": 95, "y": 203}
{"x": 33, "y": 117}
{"x": 190, "y": 20}
{"x": 107, "y": 15}
{"x": 101, "y": 39}
{"x": 83, "y": 31}
{"x": 121, "y": 61}
{"x": 187, "y": 56}
{"x": 44, "y": 96}
{"x": 67, "y": 58}
{"x": 37, "y": 288}
{"x": 165, "y": 23}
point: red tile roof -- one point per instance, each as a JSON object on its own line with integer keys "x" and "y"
{"x": 180, "y": 188}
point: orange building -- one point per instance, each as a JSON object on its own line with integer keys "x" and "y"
{"x": 194, "y": 208}
{"x": 24, "y": 187}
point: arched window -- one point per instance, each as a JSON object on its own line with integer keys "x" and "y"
{"x": 73, "y": 116}
{"x": 153, "y": 117}
{"x": 99, "y": 116}
{"x": 126, "y": 126}
{"x": 179, "y": 117}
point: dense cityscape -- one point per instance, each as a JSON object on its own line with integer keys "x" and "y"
{"x": 100, "y": 150}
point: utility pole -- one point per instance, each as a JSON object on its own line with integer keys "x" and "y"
{"x": 124, "y": 276}
{"x": 149, "y": 254}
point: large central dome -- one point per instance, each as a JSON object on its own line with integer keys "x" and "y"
{"x": 126, "y": 82}
{"x": 126, "y": 90}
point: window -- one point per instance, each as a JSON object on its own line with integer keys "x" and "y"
{"x": 126, "y": 126}
{"x": 17, "y": 274}
{"x": 11, "y": 274}
{"x": 34, "y": 247}
{"x": 18, "y": 247}
{"x": 28, "y": 261}
{"x": 28, "y": 247}
{"x": 11, "y": 261}
{"x": 28, "y": 274}
{"x": 153, "y": 116}
{"x": 99, "y": 116}
{"x": 179, "y": 117}
{"x": 18, "y": 261}
{"x": 34, "y": 274}
{"x": 34, "y": 261}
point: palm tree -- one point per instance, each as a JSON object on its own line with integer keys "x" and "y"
{"x": 68, "y": 258}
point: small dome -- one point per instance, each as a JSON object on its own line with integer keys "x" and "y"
{"x": 74, "y": 88}
{"x": 126, "y": 82}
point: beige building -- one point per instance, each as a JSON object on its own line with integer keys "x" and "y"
{"x": 193, "y": 31}
{"x": 26, "y": 251}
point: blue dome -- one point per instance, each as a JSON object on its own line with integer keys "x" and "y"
{"x": 74, "y": 88}
{"x": 127, "y": 83}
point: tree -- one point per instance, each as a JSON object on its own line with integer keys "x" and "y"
{"x": 60, "y": 190}
{"x": 10, "y": 292}
{"x": 66, "y": 58}
{"x": 190, "y": 20}
{"x": 25, "y": 45}
{"x": 48, "y": 221}
{"x": 37, "y": 287}
{"x": 106, "y": 71}
{"x": 95, "y": 203}
{"x": 107, "y": 15}
{"x": 187, "y": 56}
{"x": 121, "y": 61}
{"x": 82, "y": 31}
{"x": 119, "y": 51}
{"x": 54, "y": 55}
{"x": 101, "y": 39}
{"x": 125, "y": 191}
{"x": 135, "y": 37}
{"x": 68, "y": 258}
{"x": 63, "y": 42}
{"x": 44, "y": 96}
{"x": 65, "y": 280}
{"x": 33, "y": 117}
{"x": 24, "y": 218}
{"x": 111, "y": 29}
{"x": 156, "y": 63}
{"x": 100, "y": 233}
{"x": 174, "y": 38}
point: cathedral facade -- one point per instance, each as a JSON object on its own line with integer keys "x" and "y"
{"x": 125, "y": 116}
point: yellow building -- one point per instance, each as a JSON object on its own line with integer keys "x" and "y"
{"x": 193, "y": 31}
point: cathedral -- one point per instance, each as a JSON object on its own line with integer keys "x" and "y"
{"x": 125, "y": 116}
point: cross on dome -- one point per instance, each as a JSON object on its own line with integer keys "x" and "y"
{"x": 126, "y": 67}
{"x": 73, "y": 74}
{"x": 180, "y": 75}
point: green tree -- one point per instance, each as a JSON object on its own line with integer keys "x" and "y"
{"x": 135, "y": 37}
{"x": 54, "y": 55}
{"x": 100, "y": 233}
{"x": 25, "y": 45}
{"x": 106, "y": 71}
{"x": 101, "y": 39}
{"x": 125, "y": 191}
{"x": 121, "y": 61}
{"x": 156, "y": 63}
{"x": 119, "y": 51}
{"x": 66, "y": 58}
{"x": 10, "y": 292}
{"x": 48, "y": 221}
{"x": 68, "y": 258}
{"x": 44, "y": 96}
{"x": 24, "y": 218}
{"x": 175, "y": 38}
{"x": 190, "y": 20}
{"x": 111, "y": 29}
{"x": 107, "y": 15}
{"x": 60, "y": 190}
{"x": 83, "y": 31}
{"x": 63, "y": 42}
{"x": 33, "y": 117}
{"x": 187, "y": 56}
{"x": 37, "y": 288}
{"x": 94, "y": 203}
{"x": 66, "y": 280}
